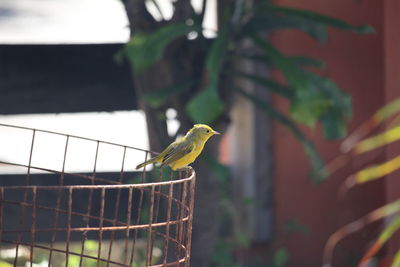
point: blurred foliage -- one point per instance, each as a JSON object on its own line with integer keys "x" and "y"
{"x": 294, "y": 226}
{"x": 205, "y": 74}
{"x": 360, "y": 142}
{"x": 313, "y": 98}
{"x": 281, "y": 258}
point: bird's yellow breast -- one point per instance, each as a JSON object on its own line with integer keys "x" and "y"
{"x": 189, "y": 158}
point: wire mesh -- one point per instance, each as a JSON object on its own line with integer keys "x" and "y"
{"x": 52, "y": 215}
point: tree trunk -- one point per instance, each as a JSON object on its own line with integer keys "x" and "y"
{"x": 181, "y": 60}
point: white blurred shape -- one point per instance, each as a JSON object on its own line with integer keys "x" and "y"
{"x": 127, "y": 128}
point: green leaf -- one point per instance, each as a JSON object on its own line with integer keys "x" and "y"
{"x": 205, "y": 107}
{"x": 307, "y": 61}
{"x": 145, "y": 49}
{"x": 333, "y": 125}
{"x": 268, "y": 84}
{"x": 216, "y": 55}
{"x": 281, "y": 258}
{"x": 272, "y": 22}
{"x": 223, "y": 254}
{"x": 291, "y": 72}
{"x": 334, "y": 117}
{"x": 323, "y": 19}
{"x": 308, "y": 106}
{"x": 296, "y": 227}
{"x": 242, "y": 240}
{"x": 318, "y": 173}
{"x": 220, "y": 170}
{"x": 157, "y": 98}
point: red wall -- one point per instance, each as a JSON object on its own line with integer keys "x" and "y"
{"x": 392, "y": 90}
{"x": 356, "y": 63}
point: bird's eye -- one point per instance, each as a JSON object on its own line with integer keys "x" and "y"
{"x": 207, "y": 131}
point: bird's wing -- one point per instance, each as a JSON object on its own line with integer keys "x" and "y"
{"x": 176, "y": 151}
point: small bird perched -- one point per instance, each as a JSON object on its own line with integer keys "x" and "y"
{"x": 185, "y": 150}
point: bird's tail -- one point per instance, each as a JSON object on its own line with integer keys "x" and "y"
{"x": 153, "y": 160}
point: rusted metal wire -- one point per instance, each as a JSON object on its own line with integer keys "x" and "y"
{"x": 82, "y": 219}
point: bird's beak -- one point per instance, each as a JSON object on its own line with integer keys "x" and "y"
{"x": 215, "y": 132}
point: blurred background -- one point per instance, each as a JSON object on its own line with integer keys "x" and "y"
{"x": 285, "y": 81}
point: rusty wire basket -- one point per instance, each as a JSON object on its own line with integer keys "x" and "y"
{"x": 55, "y": 216}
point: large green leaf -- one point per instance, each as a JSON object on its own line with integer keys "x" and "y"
{"x": 308, "y": 105}
{"x": 216, "y": 55}
{"x": 308, "y": 61}
{"x": 271, "y": 22}
{"x": 145, "y": 49}
{"x": 318, "y": 173}
{"x": 334, "y": 117}
{"x": 205, "y": 107}
{"x": 323, "y": 19}
{"x": 156, "y": 98}
{"x": 268, "y": 17}
{"x": 267, "y": 83}
{"x": 291, "y": 72}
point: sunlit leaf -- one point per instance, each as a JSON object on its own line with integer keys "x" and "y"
{"x": 377, "y": 141}
{"x": 377, "y": 214}
{"x": 145, "y": 49}
{"x": 396, "y": 260}
{"x": 377, "y": 171}
{"x": 387, "y": 111}
{"x": 157, "y": 98}
{"x": 318, "y": 173}
{"x": 387, "y": 233}
{"x": 364, "y": 129}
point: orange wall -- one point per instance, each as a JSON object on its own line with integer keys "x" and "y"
{"x": 356, "y": 63}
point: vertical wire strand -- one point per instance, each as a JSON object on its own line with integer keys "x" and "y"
{"x": 139, "y": 211}
{"x": 190, "y": 222}
{"x": 89, "y": 207}
{"x": 69, "y": 212}
{"x": 22, "y": 209}
{"x": 1, "y": 214}
{"x": 169, "y": 209}
{"x": 58, "y": 202}
{"x": 149, "y": 250}
{"x": 33, "y": 225}
{"x": 178, "y": 212}
{"x": 103, "y": 196}
{"x": 128, "y": 223}
{"x": 116, "y": 211}
{"x": 181, "y": 223}
{"x": 157, "y": 207}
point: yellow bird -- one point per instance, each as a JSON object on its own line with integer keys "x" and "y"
{"x": 185, "y": 150}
